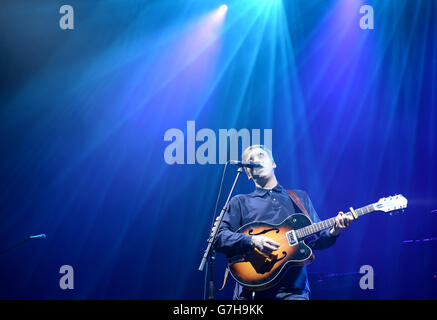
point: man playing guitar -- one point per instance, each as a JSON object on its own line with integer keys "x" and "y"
{"x": 271, "y": 203}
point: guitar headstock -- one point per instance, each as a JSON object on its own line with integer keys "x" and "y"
{"x": 393, "y": 203}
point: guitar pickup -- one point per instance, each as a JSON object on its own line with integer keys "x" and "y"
{"x": 292, "y": 238}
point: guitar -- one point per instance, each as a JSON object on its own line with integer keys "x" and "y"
{"x": 260, "y": 271}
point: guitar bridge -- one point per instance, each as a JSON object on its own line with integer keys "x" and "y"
{"x": 292, "y": 238}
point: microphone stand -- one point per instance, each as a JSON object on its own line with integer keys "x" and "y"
{"x": 209, "y": 252}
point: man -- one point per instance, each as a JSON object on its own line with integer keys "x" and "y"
{"x": 270, "y": 203}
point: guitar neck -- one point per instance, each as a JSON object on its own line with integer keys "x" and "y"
{"x": 322, "y": 225}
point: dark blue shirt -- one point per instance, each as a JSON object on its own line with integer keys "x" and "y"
{"x": 270, "y": 206}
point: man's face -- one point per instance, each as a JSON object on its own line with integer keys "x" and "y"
{"x": 260, "y": 156}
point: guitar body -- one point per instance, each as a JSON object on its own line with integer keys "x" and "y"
{"x": 260, "y": 271}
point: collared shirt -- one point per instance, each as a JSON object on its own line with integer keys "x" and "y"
{"x": 270, "y": 206}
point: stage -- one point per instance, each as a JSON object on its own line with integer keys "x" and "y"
{"x": 118, "y": 117}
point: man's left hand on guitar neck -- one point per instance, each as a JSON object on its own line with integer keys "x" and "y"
{"x": 342, "y": 221}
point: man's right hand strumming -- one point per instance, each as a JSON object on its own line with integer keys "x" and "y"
{"x": 264, "y": 244}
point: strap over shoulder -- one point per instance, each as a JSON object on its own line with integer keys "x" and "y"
{"x": 294, "y": 197}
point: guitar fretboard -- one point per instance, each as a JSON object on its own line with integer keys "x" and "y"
{"x": 322, "y": 225}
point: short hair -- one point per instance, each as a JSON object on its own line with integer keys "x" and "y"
{"x": 246, "y": 152}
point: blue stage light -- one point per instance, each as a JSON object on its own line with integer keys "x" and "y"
{"x": 223, "y": 8}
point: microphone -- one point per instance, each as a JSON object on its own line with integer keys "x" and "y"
{"x": 38, "y": 236}
{"x": 246, "y": 164}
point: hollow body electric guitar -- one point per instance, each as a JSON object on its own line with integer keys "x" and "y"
{"x": 260, "y": 271}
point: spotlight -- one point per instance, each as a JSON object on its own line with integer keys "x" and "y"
{"x": 223, "y": 8}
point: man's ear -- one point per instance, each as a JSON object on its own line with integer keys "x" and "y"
{"x": 273, "y": 164}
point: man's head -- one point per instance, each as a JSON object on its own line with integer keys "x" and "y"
{"x": 263, "y": 155}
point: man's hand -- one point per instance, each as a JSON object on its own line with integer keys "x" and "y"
{"x": 215, "y": 225}
{"x": 264, "y": 244}
{"x": 342, "y": 221}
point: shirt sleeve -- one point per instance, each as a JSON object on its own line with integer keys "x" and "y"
{"x": 323, "y": 239}
{"x": 227, "y": 240}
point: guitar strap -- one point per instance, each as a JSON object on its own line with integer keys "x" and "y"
{"x": 297, "y": 201}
